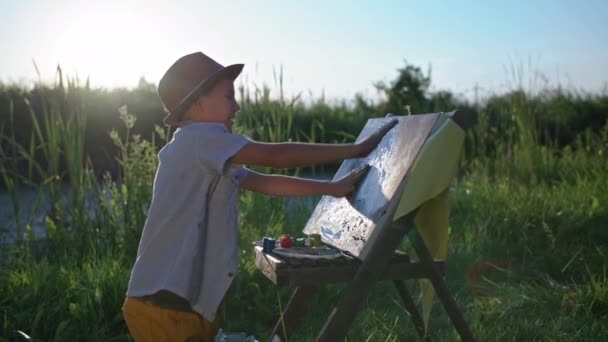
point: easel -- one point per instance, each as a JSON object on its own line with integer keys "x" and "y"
{"x": 381, "y": 262}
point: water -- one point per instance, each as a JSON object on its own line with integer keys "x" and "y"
{"x": 33, "y": 209}
{"x": 35, "y": 206}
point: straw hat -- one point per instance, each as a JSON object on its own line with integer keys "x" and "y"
{"x": 188, "y": 78}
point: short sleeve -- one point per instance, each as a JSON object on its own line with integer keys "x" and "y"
{"x": 215, "y": 148}
{"x": 237, "y": 174}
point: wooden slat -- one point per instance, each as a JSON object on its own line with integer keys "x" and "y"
{"x": 443, "y": 293}
{"x": 339, "y": 274}
{"x": 368, "y": 273}
{"x": 296, "y": 308}
{"x": 408, "y": 301}
{"x": 269, "y": 265}
{"x": 281, "y": 273}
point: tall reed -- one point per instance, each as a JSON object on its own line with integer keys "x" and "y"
{"x": 524, "y": 198}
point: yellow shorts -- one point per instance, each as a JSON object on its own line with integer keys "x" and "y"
{"x": 148, "y": 322}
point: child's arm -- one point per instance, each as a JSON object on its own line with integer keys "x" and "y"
{"x": 289, "y": 155}
{"x": 276, "y": 185}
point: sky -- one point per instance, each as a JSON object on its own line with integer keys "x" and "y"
{"x": 334, "y": 48}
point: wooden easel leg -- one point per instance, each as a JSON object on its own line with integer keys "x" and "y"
{"x": 408, "y": 301}
{"x": 295, "y": 309}
{"x": 443, "y": 293}
{"x": 367, "y": 275}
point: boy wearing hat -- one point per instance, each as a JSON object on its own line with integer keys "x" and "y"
{"x": 188, "y": 251}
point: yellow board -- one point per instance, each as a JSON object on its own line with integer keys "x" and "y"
{"x": 427, "y": 188}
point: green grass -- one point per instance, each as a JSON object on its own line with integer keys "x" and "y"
{"x": 553, "y": 286}
{"x": 535, "y": 211}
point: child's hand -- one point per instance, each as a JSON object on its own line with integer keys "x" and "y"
{"x": 366, "y": 146}
{"x": 347, "y": 183}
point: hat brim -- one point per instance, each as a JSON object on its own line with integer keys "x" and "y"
{"x": 230, "y": 72}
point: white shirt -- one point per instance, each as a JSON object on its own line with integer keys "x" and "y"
{"x": 189, "y": 242}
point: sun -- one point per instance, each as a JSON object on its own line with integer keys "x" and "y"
{"x": 112, "y": 45}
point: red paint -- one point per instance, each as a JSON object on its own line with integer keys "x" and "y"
{"x": 286, "y": 241}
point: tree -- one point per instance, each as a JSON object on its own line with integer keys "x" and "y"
{"x": 408, "y": 89}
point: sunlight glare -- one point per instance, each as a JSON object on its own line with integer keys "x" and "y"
{"x": 112, "y": 47}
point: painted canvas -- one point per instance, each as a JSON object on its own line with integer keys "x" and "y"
{"x": 349, "y": 223}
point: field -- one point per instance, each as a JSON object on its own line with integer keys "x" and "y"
{"x": 529, "y": 241}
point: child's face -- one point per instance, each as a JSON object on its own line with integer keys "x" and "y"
{"x": 219, "y": 105}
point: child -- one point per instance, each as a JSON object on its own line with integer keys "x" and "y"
{"x": 187, "y": 254}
